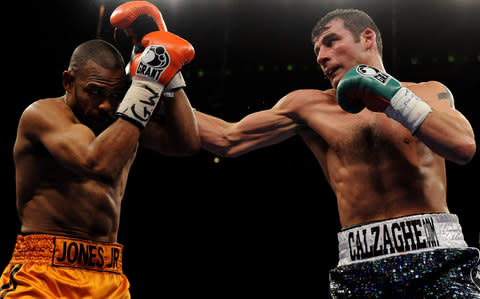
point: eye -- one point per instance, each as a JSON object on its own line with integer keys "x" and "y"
{"x": 117, "y": 96}
{"x": 330, "y": 42}
{"x": 329, "y": 39}
{"x": 95, "y": 91}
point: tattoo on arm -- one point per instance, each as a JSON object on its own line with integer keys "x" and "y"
{"x": 447, "y": 95}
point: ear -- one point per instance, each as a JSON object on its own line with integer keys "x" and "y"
{"x": 368, "y": 38}
{"x": 67, "y": 81}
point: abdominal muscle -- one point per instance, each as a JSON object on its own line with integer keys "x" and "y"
{"x": 368, "y": 193}
{"x": 378, "y": 170}
{"x": 86, "y": 210}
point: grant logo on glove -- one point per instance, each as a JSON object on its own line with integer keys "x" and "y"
{"x": 369, "y": 71}
{"x": 153, "y": 62}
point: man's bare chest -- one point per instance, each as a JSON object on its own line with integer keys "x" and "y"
{"x": 366, "y": 137}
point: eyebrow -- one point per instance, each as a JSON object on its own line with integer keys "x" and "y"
{"x": 323, "y": 41}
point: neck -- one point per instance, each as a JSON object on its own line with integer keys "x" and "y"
{"x": 377, "y": 62}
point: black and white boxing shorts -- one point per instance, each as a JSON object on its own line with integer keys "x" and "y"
{"x": 417, "y": 256}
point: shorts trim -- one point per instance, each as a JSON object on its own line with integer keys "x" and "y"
{"x": 60, "y": 251}
{"x": 401, "y": 235}
{"x": 12, "y": 283}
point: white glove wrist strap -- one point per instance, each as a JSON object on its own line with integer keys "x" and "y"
{"x": 175, "y": 83}
{"x": 408, "y": 109}
{"x": 140, "y": 101}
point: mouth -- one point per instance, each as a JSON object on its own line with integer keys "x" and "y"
{"x": 330, "y": 72}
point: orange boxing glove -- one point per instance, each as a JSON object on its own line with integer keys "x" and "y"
{"x": 138, "y": 18}
{"x": 164, "y": 55}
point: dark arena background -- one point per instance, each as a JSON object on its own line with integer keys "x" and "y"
{"x": 262, "y": 225}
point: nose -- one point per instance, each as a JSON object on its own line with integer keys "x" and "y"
{"x": 106, "y": 107}
{"x": 323, "y": 57}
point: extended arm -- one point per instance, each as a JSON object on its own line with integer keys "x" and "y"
{"x": 256, "y": 130}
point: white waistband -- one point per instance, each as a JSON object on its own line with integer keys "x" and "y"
{"x": 409, "y": 234}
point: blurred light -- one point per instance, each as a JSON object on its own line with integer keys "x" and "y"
{"x": 216, "y": 160}
{"x": 414, "y": 60}
{"x": 289, "y": 67}
{"x": 101, "y": 13}
{"x": 451, "y": 58}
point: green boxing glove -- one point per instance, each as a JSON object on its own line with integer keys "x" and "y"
{"x": 365, "y": 86}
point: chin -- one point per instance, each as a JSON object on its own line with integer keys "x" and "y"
{"x": 335, "y": 83}
{"x": 337, "y": 80}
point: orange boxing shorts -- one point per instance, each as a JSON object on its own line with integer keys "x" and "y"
{"x": 48, "y": 266}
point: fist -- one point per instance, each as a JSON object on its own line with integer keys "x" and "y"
{"x": 164, "y": 55}
{"x": 365, "y": 86}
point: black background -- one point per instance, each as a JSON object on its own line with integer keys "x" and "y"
{"x": 263, "y": 224}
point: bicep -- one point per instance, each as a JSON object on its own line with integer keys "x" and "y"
{"x": 266, "y": 124}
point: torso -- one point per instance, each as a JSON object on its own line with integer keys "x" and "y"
{"x": 375, "y": 167}
{"x": 53, "y": 200}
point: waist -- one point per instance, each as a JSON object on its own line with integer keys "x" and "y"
{"x": 407, "y": 234}
{"x": 60, "y": 251}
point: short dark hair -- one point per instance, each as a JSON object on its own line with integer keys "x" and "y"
{"x": 100, "y": 51}
{"x": 354, "y": 20}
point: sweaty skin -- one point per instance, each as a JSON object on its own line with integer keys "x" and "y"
{"x": 374, "y": 165}
{"x": 71, "y": 174}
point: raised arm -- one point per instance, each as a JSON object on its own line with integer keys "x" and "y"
{"x": 173, "y": 129}
{"x": 425, "y": 109}
{"x": 445, "y": 130}
{"x": 52, "y": 125}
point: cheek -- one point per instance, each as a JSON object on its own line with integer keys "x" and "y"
{"x": 343, "y": 51}
{"x": 83, "y": 103}
{"x": 349, "y": 57}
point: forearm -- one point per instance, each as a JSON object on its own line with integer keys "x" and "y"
{"x": 212, "y": 133}
{"x": 173, "y": 131}
{"x": 109, "y": 153}
{"x": 181, "y": 125}
{"x": 448, "y": 134}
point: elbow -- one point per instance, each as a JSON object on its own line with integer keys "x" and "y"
{"x": 184, "y": 150}
{"x": 465, "y": 152}
{"x": 222, "y": 149}
{"x": 189, "y": 146}
{"x": 100, "y": 172}
{"x": 192, "y": 147}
